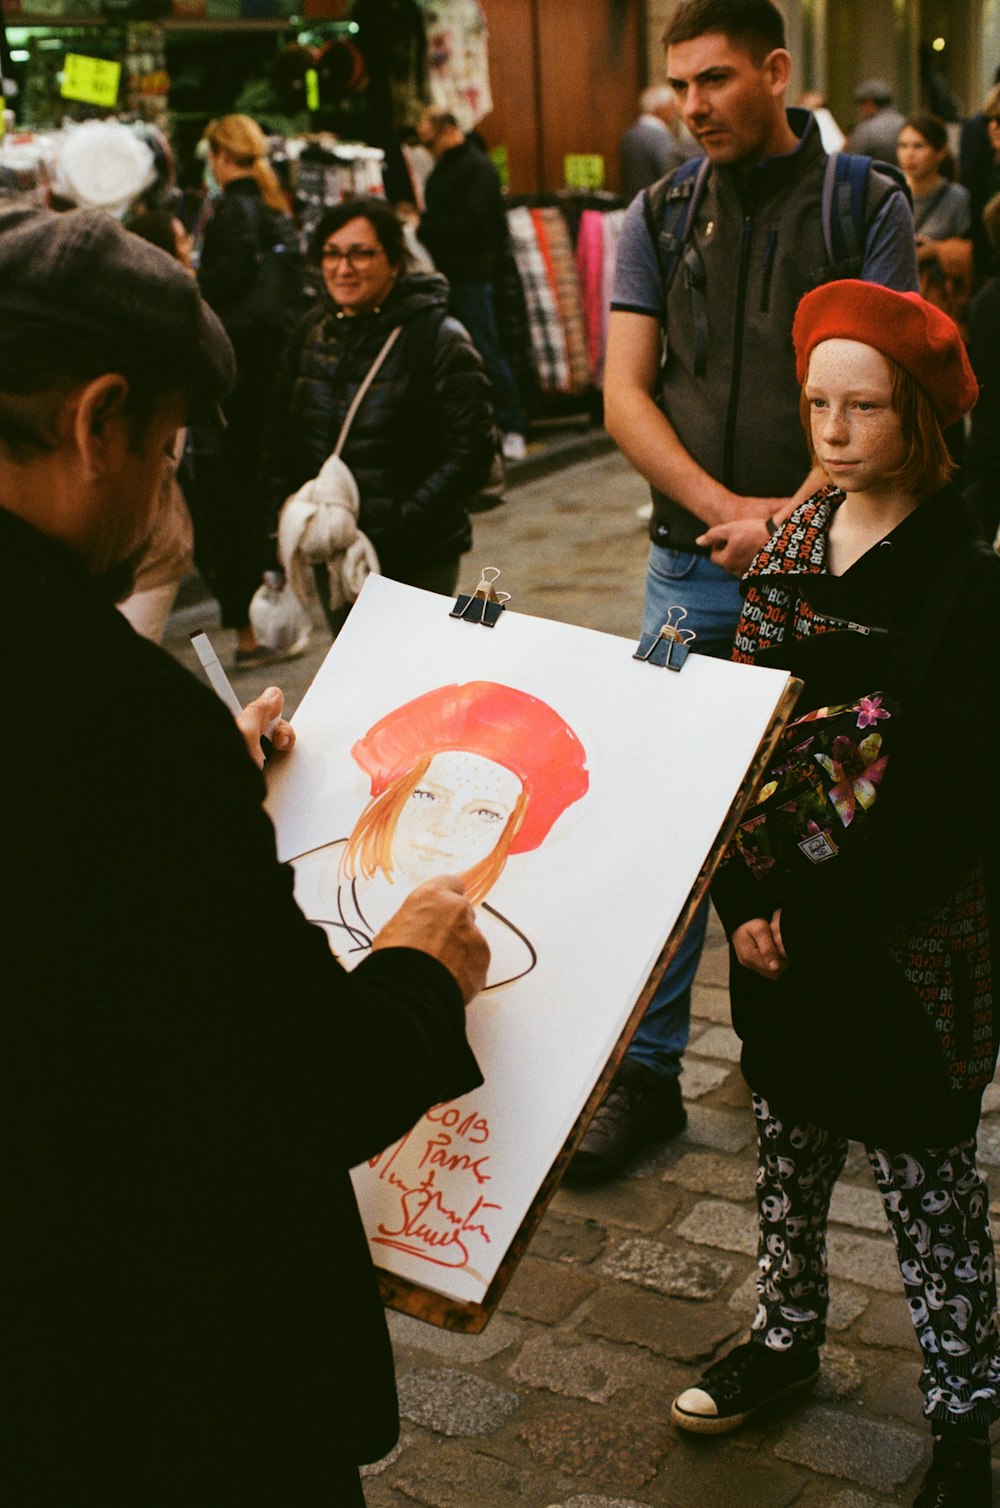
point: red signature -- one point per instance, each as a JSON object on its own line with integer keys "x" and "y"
{"x": 441, "y": 1215}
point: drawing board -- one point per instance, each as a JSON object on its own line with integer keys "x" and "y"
{"x": 582, "y": 793}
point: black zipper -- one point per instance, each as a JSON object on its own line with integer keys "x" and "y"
{"x": 855, "y": 628}
{"x": 765, "y": 295}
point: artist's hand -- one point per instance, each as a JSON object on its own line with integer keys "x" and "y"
{"x": 758, "y": 946}
{"x": 437, "y": 919}
{"x": 255, "y": 722}
{"x": 734, "y": 544}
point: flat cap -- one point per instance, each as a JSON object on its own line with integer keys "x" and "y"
{"x": 913, "y": 333}
{"x": 877, "y": 90}
{"x": 80, "y": 274}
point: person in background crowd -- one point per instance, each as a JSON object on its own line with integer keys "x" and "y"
{"x": 169, "y": 553}
{"x": 464, "y": 229}
{"x": 657, "y": 143}
{"x": 941, "y": 218}
{"x": 252, "y": 273}
{"x": 982, "y": 459}
{"x": 973, "y": 147}
{"x": 420, "y": 444}
{"x": 981, "y": 177}
{"x": 879, "y": 124}
{"x": 692, "y": 425}
{"x": 861, "y": 983}
{"x": 940, "y": 205}
{"x": 191, "y": 1316}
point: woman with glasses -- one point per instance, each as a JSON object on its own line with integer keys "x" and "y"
{"x": 420, "y": 444}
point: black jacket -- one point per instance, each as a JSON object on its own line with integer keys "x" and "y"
{"x": 842, "y": 1039}
{"x": 186, "y": 1074}
{"x": 463, "y": 226}
{"x": 251, "y": 268}
{"x": 420, "y": 444}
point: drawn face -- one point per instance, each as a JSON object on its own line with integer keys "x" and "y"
{"x": 856, "y": 433}
{"x": 454, "y": 817}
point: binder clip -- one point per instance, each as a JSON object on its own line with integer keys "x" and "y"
{"x": 668, "y": 648}
{"x": 485, "y": 604}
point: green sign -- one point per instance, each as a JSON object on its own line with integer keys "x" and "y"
{"x": 312, "y": 89}
{"x": 584, "y": 171}
{"x": 500, "y": 160}
{"x": 92, "y": 80}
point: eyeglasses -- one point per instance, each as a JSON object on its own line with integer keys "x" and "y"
{"x": 356, "y": 257}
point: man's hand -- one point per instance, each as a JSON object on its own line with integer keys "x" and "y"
{"x": 437, "y": 919}
{"x": 262, "y": 719}
{"x": 758, "y": 946}
{"x": 735, "y": 544}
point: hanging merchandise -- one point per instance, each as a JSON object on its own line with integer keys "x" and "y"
{"x": 102, "y": 164}
{"x": 458, "y": 59}
{"x": 328, "y": 171}
{"x": 392, "y": 41}
{"x": 557, "y": 254}
{"x": 589, "y": 266}
{"x": 548, "y": 339}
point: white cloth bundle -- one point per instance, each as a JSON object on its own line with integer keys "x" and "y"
{"x": 319, "y": 526}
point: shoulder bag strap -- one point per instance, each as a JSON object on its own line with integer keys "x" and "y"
{"x": 370, "y": 376}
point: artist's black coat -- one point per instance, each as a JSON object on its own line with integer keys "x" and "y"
{"x": 190, "y": 1317}
{"x": 842, "y": 1039}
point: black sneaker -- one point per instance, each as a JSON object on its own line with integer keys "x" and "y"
{"x": 641, "y": 1107}
{"x": 961, "y": 1475}
{"x": 748, "y": 1379}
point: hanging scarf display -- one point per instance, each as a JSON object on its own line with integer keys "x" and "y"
{"x": 458, "y": 59}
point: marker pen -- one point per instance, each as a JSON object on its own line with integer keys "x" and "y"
{"x": 219, "y": 681}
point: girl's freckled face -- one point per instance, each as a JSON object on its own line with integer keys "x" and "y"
{"x": 856, "y": 433}
{"x": 454, "y": 817}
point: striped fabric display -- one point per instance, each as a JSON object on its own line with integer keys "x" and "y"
{"x": 548, "y": 339}
{"x": 557, "y": 250}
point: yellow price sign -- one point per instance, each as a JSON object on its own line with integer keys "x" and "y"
{"x": 94, "y": 81}
{"x": 584, "y": 171}
{"x": 501, "y": 161}
{"x": 312, "y": 89}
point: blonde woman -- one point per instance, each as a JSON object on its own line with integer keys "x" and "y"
{"x": 252, "y": 273}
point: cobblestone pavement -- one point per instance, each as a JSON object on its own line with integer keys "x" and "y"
{"x": 627, "y": 1292}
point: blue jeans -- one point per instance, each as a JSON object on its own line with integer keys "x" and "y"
{"x": 712, "y": 598}
{"x": 472, "y": 303}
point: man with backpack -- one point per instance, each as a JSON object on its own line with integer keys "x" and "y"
{"x": 711, "y": 265}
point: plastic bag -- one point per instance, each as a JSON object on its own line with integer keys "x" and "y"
{"x": 277, "y": 617}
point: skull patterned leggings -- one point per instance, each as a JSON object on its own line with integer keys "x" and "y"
{"x": 938, "y": 1210}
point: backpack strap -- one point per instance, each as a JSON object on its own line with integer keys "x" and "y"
{"x": 846, "y": 211}
{"x": 669, "y": 208}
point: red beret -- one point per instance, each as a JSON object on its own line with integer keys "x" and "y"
{"x": 482, "y": 717}
{"x": 903, "y": 326}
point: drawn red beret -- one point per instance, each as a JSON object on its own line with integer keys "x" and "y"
{"x": 482, "y": 717}
{"x": 903, "y": 326}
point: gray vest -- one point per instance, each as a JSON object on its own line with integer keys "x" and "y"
{"x": 761, "y": 244}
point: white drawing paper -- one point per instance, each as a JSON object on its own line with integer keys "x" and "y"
{"x": 580, "y": 791}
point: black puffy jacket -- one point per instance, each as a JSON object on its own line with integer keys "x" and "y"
{"x": 420, "y": 444}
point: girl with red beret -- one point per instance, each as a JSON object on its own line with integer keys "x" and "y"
{"x": 461, "y": 778}
{"x": 861, "y": 970}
